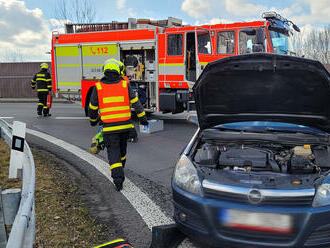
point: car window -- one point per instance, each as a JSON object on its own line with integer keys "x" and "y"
{"x": 226, "y": 42}
{"x": 174, "y": 44}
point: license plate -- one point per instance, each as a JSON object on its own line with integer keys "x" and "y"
{"x": 264, "y": 222}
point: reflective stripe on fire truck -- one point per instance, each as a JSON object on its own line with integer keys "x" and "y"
{"x": 73, "y": 65}
{"x": 69, "y": 83}
{"x": 67, "y": 51}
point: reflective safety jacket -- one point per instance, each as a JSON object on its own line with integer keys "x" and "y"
{"x": 42, "y": 80}
{"x": 114, "y": 103}
{"x": 111, "y": 101}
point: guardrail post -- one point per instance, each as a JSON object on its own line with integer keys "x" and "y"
{"x": 3, "y": 233}
{"x": 17, "y": 149}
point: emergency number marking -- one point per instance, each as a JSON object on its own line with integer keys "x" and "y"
{"x": 99, "y": 50}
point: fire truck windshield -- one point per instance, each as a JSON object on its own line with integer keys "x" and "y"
{"x": 281, "y": 42}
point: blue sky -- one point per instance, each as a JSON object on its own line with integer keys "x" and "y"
{"x": 26, "y": 25}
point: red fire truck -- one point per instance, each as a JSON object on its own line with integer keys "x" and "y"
{"x": 163, "y": 58}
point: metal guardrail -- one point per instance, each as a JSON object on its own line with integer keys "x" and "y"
{"x": 23, "y": 230}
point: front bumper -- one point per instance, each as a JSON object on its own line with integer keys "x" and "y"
{"x": 198, "y": 217}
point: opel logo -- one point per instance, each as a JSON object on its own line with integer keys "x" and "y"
{"x": 254, "y": 196}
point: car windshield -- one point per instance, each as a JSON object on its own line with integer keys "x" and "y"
{"x": 282, "y": 43}
{"x": 258, "y": 126}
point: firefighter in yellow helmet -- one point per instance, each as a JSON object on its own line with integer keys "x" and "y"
{"x": 43, "y": 82}
{"x": 110, "y": 104}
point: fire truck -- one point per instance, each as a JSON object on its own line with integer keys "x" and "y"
{"x": 163, "y": 58}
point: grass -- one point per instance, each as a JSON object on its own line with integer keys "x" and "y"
{"x": 62, "y": 220}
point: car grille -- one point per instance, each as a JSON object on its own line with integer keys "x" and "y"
{"x": 240, "y": 195}
{"x": 255, "y": 236}
{"x": 321, "y": 235}
{"x": 273, "y": 201}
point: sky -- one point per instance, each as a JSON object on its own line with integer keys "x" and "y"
{"x": 26, "y": 26}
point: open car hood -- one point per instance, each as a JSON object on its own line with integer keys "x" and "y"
{"x": 264, "y": 87}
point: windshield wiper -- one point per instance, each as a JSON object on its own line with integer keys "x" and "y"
{"x": 269, "y": 130}
{"x": 293, "y": 131}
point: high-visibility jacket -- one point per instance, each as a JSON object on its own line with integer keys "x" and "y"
{"x": 42, "y": 81}
{"x": 114, "y": 105}
{"x": 111, "y": 101}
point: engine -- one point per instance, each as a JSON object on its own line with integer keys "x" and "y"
{"x": 269, "y": 157}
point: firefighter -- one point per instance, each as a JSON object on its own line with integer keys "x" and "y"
{"x": 110, "y": 104}
{"x": 43, "y": 82}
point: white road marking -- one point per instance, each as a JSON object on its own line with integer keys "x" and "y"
{"x": 186, "y": 243}
{"x": 6, "y": 117}
{"x": 149, "y": 211}
{"x": 71, "y": 118}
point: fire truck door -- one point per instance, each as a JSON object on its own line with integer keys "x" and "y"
{"x": 204, "y": 49}
{"x": 173, "y": 69}
{"x": 190, "y": 59}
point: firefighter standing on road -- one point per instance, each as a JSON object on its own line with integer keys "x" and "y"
{"x": 111, "y": 100}
{"x": 43, "y": 82}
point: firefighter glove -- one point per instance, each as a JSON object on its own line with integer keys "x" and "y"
{"x": 132, "y": 135}
{"x": 144, "y": 122}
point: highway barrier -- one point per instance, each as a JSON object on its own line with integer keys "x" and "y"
{"x": 21, "y": 166}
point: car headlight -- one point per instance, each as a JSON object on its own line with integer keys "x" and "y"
{"x": 186, "y": 177}
{"x": 322, "y": 196}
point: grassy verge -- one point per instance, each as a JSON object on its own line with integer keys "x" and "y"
{"x": 62, "y": 220}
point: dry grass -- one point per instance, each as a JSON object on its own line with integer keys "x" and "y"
{"x": 6, "y": 183}
{"x": 62, "y": 219}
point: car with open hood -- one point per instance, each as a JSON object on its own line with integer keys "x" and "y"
{"x": 257, "y": 171}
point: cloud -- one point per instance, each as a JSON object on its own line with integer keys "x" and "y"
{"x": 23, "y": 30}
{"x": 243, "y": 8}
{"x": 318, "y": 12}
{"x": 213, "y": 21}
{"x": 121, "y": 4}
{"x": 197, "y": 8}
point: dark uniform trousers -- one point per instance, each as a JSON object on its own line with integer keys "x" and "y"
{"x": 116, "y": 145}
{"x": 42, "y": 104}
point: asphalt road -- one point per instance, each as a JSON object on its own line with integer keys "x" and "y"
{"x": 150, "y": 162}
{"x": 153, "y": 157}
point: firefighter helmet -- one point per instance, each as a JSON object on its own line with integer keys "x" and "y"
{"x": 44, "y": 66}
{"x": 114, "y": 65}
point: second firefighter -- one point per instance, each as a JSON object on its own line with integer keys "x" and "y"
{"x": 42, "y": 80}
{"x": 110, "y": 103}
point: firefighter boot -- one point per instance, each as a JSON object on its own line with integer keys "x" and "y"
{"x": 97, "y": 143}
{"x": 118, "y": 177}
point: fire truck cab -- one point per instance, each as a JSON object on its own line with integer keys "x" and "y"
{"x": 163, "y": 59}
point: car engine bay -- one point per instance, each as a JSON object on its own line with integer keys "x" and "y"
{"x": 272, "y": 157}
